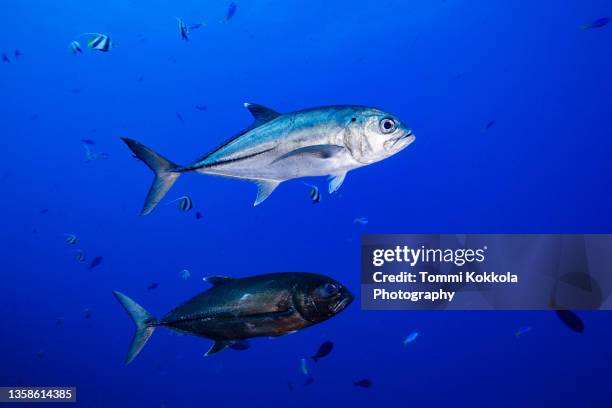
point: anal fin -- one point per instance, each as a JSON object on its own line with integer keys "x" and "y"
{"x": 218, "y": 346}
{"x": 264, "y": 189}
{"x": 335, "y": 181}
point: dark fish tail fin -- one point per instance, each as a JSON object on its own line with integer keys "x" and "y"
{"x": 165, "y": 173}
{"x": 145, "y": 325}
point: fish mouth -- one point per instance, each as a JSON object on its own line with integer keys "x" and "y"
{"x": 406, "y": 139}
{"x": 343, "y": 303}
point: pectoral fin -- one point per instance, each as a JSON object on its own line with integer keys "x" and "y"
{"x": 216, "y": 347}
{"x": 264, "y": 189}
{"x": 335, "y": 181}
{"x": 320, "y": 151}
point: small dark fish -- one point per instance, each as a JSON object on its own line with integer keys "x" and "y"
{"x": 75, "y": 90}
{"x": 87, "y": 314}
{"x": 290, "y": 386}
{"x": 309, "y": 381}
{"x": 5, "y": 59}
{"x": 141, "y": 78}
{"x": 152, "y": 286}
{"x": 490, "y": 125}
{"x": 95, "y": 262}
{"x": 571, "y": 320}
{"x": 198, "y": 215}
{"x": 196, "y": 26}
{"x": 44, "y": 211}
{"x": 179, "y": 117}
{"x": 59, "y": 321}
{"x": 231, "y": 10}
{"x": 323, "y": 351}
{"x": 365, "y": 383}
{"x": 40, "y": 355}
{"x": 185, "y": 203}
{"x": 315, "y": 194}
{"x": 88, "y": 141}
{"x": 600, "y": 22}
{"x": 34, "y": 116}
{"x": 17, "y": 54}
{"x": 240, "y": 345}
{"x": 201, "y": 107}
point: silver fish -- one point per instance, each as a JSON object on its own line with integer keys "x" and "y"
{"x": 323, "y": 141}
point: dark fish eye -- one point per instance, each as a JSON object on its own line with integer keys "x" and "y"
{"x": 387, "y": 125}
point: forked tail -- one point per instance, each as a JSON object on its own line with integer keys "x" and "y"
{"x": 145, "y": 325}
{"x": 165, "y": 173}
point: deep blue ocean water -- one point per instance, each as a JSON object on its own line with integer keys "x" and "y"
{"x": 446, "y": 68}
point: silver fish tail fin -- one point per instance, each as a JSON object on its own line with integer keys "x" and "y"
{"x": 165, "y": 173}
{"x": 145, "y": 325}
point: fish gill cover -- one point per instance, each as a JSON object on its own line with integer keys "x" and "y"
{"x": 510, "y": 105}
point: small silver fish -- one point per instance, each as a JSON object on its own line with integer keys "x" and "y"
{"x": 328, "y": 141}
{"x": 410, "y": 338}
{"x": 70, "y": 239}
{"x": 304, "y": 367}
{"x": 360, "y": 221}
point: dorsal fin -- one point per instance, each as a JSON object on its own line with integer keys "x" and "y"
{"x": 218, "y": 280}
{"x": 261, "y": 113}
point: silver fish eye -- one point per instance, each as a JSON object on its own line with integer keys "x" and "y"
{"x": 387, "y": 125}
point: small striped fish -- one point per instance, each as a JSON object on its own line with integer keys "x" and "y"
{"x": 183, "y": 30}
{"x": 75, "y": 47}
{"x": 315, "y": 194}
{"x": 185, "y": 203}
{"x": 100, "y": 42}
{"x": 70, "y": 239}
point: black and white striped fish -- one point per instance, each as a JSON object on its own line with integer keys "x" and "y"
{"x": 70, "y": 239}
{"x": 100, "y": 42}
{"x": 183, "y": 29}
{"x": 315, "y": 194}
{"x": 185, "y": 203}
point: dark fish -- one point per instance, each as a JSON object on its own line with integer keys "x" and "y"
{"x": 240, "y": 345}
{"x": 17, "y": 54}
{"x": 231, "y": 10}
{"x": 40, "y": 355}
{"x": 234, "y": 310}
{"x": 44, "y": 211}
{"x": 95, "y": 262}
{"x": 309, "y": 381}
{"x": 88, "y": 314}
{"x": 201, "y": 107}
{"x": 59, "y": 321}
{"x": 5, "y": 59}
{"x": 600, "y": 22}
{"x": 154, "y": 285}
{"x": 75, "y": 90}
{"x": 490, "y": 125}
{"x": 198, "y": 215}
{"x": 323, "y": 351}
{"x": 88, "y": 141}
{"x": 365, "y": 383}
{"x": 179, "y": 117}
{"x": 34, "y": 116}
{"x": 290, "y": 386}
{"x": 571, "y": 320}
{"x": 141, "y": 78}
